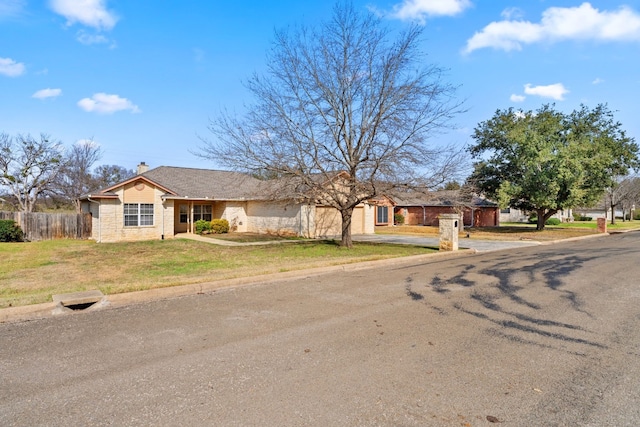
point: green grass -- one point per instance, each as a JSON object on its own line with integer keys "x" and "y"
{"x": 32, "y": 272}
{"x": 251, "y": 237}
{"x": 514, "y": 231}
{"x": 619, "y": 225}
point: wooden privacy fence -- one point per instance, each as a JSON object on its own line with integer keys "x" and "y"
{"x": 50, "y": 226}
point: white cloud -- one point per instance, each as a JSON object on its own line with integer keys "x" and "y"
{"x": 420, "y": 9}
{"x": 555, "y": 91}
{"x": 11, "y": 68}
{"x": 47, "y": 93}
{"x": 91, "y": 13}
{"x": 505, "y": 35}
{"x": 87, "y": 143}
{"x": 512, "y": 13}
{"x": 597, "y": 81}
{"x": 11, "y": 7}
{"x": 103, "y": 103}
{"x": 88, "y": 39}
{"x": 583, "y": 22}
{"x": 517, "y": 98}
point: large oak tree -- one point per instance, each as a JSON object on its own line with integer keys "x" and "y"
{"x": 345, "y": 112}
{"x": 544, "y": 161}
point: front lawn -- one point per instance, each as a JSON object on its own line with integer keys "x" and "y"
{"x": 619, "y": 225}
{"x": 251, "y": 237}
{"x": 31, "y": 272}
{"x": 505, "y": 232}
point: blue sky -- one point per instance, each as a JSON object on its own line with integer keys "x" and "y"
{"x": 142, "y": 77}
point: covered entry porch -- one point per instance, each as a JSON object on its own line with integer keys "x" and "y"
{"x": 188, "y": 212}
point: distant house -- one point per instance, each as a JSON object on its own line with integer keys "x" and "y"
{"x": 419, "y": 208}
{"x": 517, "y": 215}
{"x": 513, "y": 215}
{"x": 165, "y": 201}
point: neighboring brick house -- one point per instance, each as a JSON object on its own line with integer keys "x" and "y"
{"x": 162, "y": 202}
{"x": 424, "y": 208}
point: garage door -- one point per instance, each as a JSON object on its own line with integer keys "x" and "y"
{"x": 357, "y": 221}
{"x": 329, "y": 221}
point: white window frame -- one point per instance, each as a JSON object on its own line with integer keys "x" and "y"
{"x": 139, "y": 214}
{"x": 204, "y": 212}
{"x": 183, "y": 213}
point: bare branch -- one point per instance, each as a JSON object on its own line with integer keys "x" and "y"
{"x": 342, "y": 97}
{"x": 29, "y": 167}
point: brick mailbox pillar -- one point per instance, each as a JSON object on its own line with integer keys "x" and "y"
{"x": 602, "y": 225}
{"x": 449, "y": 232}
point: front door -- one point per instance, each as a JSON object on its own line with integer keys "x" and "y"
{"x": 190, "y": 212}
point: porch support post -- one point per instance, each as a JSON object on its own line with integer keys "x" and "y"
{"x": 190, "y": 216}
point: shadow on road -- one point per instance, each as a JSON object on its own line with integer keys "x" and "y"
{"x": 520, "y": 298}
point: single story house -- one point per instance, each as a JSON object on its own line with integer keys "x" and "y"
{"x": 165, "y": 201}
{"x": 599, "y": 212}
{"x": 517, "y": 215}
{"x": 419, "y": 208}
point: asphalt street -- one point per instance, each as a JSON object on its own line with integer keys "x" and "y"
{"x": 532, "y": 336}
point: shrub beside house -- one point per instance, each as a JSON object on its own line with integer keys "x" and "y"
{"x": 10, "y": 231}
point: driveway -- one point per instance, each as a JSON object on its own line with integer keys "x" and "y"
{"x": 478, "y": 245}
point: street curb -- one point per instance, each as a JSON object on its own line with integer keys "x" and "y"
{"x": 45, "y": 310}
{"x": 574, "y": 239}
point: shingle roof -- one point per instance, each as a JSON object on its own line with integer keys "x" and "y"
{"x": 193, "y": 183}
{"x": 441, "y": 198}
{"x": 206, "y": 183}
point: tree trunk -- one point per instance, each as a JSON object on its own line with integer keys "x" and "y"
{"x": 613, "y": 214}
{"x": 541, "y": 219}
{"x": 346, "y": 228}
{"x": 78, "y": 205}
{"x": 27, "y": 205}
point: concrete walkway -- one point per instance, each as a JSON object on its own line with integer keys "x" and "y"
{"x": 223, "y": 242}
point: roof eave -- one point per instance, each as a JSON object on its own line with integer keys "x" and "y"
{"x": 140, "y": 178}
{"x": 209, "y": 199}
{"x": 98, "y": 196}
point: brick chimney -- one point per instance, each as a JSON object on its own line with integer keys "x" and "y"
{"x": 142, "y": 168}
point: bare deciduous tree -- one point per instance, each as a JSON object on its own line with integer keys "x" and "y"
{"x": 632, "y": 197}
{"x": 342, "y": 98}
{"x": 29, "y": 167}
{"x": 107, "y": 175}
{"x": 625, "y": 193}
{"x": 76, "y": 178}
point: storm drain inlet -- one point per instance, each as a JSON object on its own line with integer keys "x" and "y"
{"x": 78, "y": 301}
